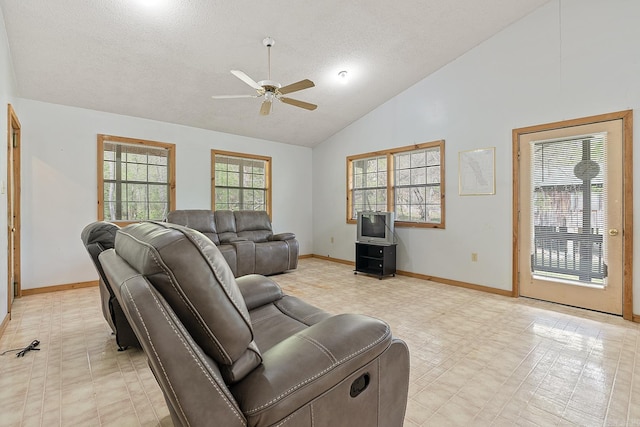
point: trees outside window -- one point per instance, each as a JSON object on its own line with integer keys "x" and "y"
{"x": 240, "y": 181}
{"x": 408, "y": 181}
{"x": 136, "y": 179}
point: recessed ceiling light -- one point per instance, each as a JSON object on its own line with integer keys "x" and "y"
{"x": 343, "y": 76}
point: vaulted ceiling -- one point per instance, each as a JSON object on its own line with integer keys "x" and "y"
{"x": 164, "y": 59}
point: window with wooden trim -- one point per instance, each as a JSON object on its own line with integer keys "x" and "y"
{"x": 240, "y": 181}
{"x": 408, "y": 181}
{"x": 136, "y": 179}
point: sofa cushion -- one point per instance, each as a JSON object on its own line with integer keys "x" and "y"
{"x": 192, "y": 275}
{"x": 253, "y": 225}
{"x": 226, "y": 226}
{"x": 202, "y": 220}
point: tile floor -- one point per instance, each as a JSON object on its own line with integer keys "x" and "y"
{"x": 477, "y": 359}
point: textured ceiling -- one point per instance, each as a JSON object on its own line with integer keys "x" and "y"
{"x": 164, "y": 62}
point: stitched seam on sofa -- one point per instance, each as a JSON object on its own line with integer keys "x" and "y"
{"x": 199, "y": 242}
{"x": 196, "y": 315}
{"x": 379, "y": 388}
{"x": 293, "y": 315}
{"x": 259, "y": 319}
{"x": 283, "y": 422}
{"x": 319, "y": 374}
{"x": 180, "y": 293}
{"x": 172, "y": 321}
{"x": 322, "y": 348}
{"x": 164, "y": 372}
{"x": 312, "y": 417}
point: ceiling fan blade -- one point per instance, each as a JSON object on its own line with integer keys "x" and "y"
{"x": 248, "y": 80}
{"x": 294, "y": 87}
{"x": 233, "y": 96}
{"x": 297, "y": 103}
{"x": 265, "y": 109}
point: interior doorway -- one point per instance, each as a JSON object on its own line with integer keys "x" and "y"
{"x": 572, "y": 213}
{"x": 13, "y": 206}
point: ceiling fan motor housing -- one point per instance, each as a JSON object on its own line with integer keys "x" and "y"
{"x": 268, "y": 42}
{"x": 270, "y": 85}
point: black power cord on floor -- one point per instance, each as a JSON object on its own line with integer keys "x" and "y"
{"x": 22, "y": 351}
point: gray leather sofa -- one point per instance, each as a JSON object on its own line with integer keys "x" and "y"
{"x": 238, "y": 352}
{"x": 245, "y": 239}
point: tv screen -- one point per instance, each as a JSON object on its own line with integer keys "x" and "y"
{"x": 373, "y": 225}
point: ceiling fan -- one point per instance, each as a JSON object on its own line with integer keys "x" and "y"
{"x": 270, "y": 89}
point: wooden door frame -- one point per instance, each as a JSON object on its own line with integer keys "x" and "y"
{"x": 13, "y": 180}
{"x": 627, "y": 183}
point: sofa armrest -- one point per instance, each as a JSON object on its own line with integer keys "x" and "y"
{"x": 258, "y": 290}
{"x": 309, "y": 363}
{"x": 283, "y": 236}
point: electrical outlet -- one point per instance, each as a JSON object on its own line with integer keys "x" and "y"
{"x": 474, "y": 257}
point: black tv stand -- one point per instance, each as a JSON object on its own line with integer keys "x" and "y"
{"x": 379, "y": 260}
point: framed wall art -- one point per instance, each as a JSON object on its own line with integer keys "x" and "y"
{"x": 477, "y": 172}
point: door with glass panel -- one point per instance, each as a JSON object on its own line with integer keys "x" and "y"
{"x": 571, "y": 216}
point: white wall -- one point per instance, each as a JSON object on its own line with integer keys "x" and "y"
{"x": 7, "y": 93}
{"x": 59, "y": 182}
{"x": 566, "y": 60}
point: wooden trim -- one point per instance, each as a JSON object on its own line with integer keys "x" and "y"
{"x": 457, "y": 283}
{"x": 390, "y": 181}
{"x": 430, "y": 278}
{"x": 268, "y": 179}
{"x": 627, "y": 248}
{"x": 171, "y": 159}
{"x": 337, "y": 260}
{"x": 635, "y": 318}
{"x": 391, "y": 202}
{"x": 57, "y": 288}
{"x": 4, "y": 324}
{"x": 349, "y": 185}
{"x": 14, "y": 184}
{"x": 627, "y": 123}
{"x": 305, "y": 256}
{"x": 515, "y": 213}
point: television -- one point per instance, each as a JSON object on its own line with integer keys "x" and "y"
{"x": 375, "y": 228}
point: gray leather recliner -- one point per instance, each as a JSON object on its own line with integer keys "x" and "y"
{"x": 98, "y": 237}
{"x": 238, "y": 352}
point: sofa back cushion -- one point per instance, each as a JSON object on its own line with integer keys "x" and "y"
{"x": 253, "y": 225}
{"x": 202, "y": 220}
{"x": 226, "y": 226}
{"x": 191, "y": 274}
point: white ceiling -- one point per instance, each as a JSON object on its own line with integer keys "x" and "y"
{"x": 164, "y": 62}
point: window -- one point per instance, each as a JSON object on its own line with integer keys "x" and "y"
{"x": 408, "y": 181}
{"x": 136, "y": 179}
{"x": 370, "y": 184}
{"x": 240, "y": 181}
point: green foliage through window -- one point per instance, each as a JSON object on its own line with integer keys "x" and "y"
{"x": 241, "y": 182}
{"x": 136, "y": 179}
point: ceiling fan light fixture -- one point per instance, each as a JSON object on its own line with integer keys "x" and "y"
{"x": 271, "y": 89}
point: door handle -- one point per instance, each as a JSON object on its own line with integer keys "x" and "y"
{"x": 613, "y": 232}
